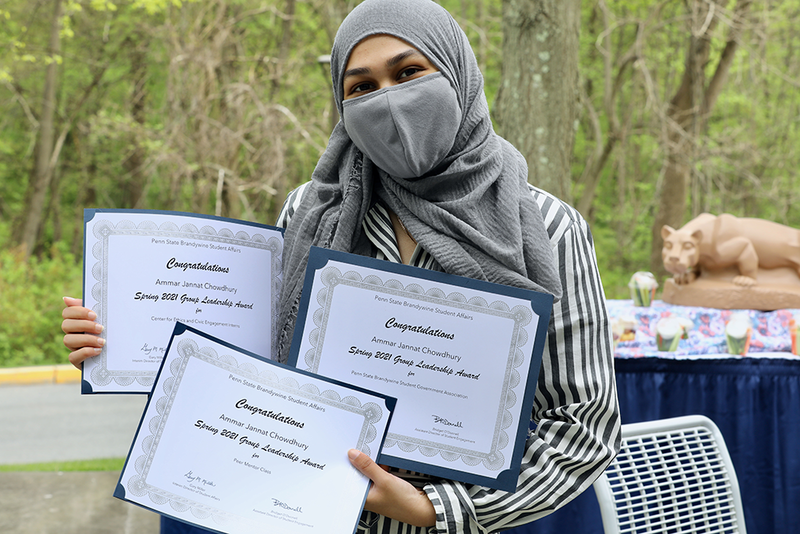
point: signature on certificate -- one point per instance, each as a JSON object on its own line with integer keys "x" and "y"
{"x": 147, "y": 349}
{"x": 196, "y": 479}
{"x": 445, "y": 422}
{"x": 276, "y": 502}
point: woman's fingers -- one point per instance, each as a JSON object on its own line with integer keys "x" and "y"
{"x": 77, "y": 357}
{"x": 366, "y": 465}
{"x": 82, "y": 332}
{"x": 83, "y": 346}
{"x": 76, "y": 311}
{"x": 78, "y": 320}
{"x": 79, "y": 340}
{"x": 81, "y": 326}
{"x": 72, "y": 301}
{"x": 392, "y": 496}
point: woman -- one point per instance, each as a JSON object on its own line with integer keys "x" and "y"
{"x": 414, "y": 173}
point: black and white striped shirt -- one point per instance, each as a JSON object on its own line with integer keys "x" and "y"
{"x": 575, "y": 414}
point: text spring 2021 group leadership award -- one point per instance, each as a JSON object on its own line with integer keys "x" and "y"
{"x": 266, "y": 452}
{"x": 145, "y": 270}
{"x": 462, "y": 357}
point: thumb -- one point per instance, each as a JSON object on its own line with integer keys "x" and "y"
{"x": 364, "y": 463}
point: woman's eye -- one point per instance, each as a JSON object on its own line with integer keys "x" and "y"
{"x": 360, "y": 88}
{"x": 410, "y": 71}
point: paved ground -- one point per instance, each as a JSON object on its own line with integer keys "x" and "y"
{"x": 69, "y": 503}
{"x": 44, "y": 418}
{"x": 54, "y": 422}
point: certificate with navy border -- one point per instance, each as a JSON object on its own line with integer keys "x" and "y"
{"x": 462, "y": 357}
{"x": 145, "y": 270}
{"x": 234, "y": 443}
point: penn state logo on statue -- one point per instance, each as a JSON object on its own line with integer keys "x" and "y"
{"x": 730, "y": 262}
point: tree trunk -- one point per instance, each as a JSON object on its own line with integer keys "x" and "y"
{"x": 687, "y": 115}
{"x": 537, "y": 103}
{"x": 133, "y": 184}
{"x": 42, "y": 170}
{"x": 284, "y": 47}
{"x": 604, "y": 145}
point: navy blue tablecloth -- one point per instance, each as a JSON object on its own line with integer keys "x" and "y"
{"x": 755, "y": 402}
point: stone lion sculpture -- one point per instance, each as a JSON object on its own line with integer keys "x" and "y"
{"x": 742, "y": 253}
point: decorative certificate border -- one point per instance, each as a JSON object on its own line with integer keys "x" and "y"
{"x": 187, "y": 349}
{"x": 104, "y": 229}
{"x": 521, "y": 316}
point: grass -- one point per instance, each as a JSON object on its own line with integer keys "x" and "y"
{"x": 108, "y": 464}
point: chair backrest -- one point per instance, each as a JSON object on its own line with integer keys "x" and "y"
{"x": 671, "y": 476}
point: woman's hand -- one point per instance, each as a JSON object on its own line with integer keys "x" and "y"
{"x": 392, "y": 496}
{"x": 82, "y": 332}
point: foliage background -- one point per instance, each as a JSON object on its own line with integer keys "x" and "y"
{"x": 222, "y": 107}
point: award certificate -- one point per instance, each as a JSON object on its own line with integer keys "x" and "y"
{"x": 461, "y": 356}
{"x": 146, "y": 270}
{"x": 237, "y": 444}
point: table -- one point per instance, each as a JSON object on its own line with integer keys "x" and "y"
{"x": 754, "y": 400}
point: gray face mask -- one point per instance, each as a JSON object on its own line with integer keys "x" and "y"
{"x": 405, "y": 129}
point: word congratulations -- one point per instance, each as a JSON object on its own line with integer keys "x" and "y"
{"x": 277, "y": 416}
{"x": 418, "y": 329}
{"x": 197, "y": 266}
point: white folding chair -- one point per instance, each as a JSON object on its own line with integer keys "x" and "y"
{"x": 671, "y": 476}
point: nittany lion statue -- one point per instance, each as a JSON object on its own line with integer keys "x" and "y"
{"x": 742, "y": 253}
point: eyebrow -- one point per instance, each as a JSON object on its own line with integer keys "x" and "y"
{"x": 391, "y": 62}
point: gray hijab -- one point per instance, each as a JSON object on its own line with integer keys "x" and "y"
{"x": 474, "y": 213}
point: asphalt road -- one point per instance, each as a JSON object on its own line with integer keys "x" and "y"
{"x": 54, "y": 422}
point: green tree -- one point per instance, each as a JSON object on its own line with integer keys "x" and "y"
{"x": 634, "y": 57}
{"x": 537, "y": 103}
{"x": 690, "y": 107}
